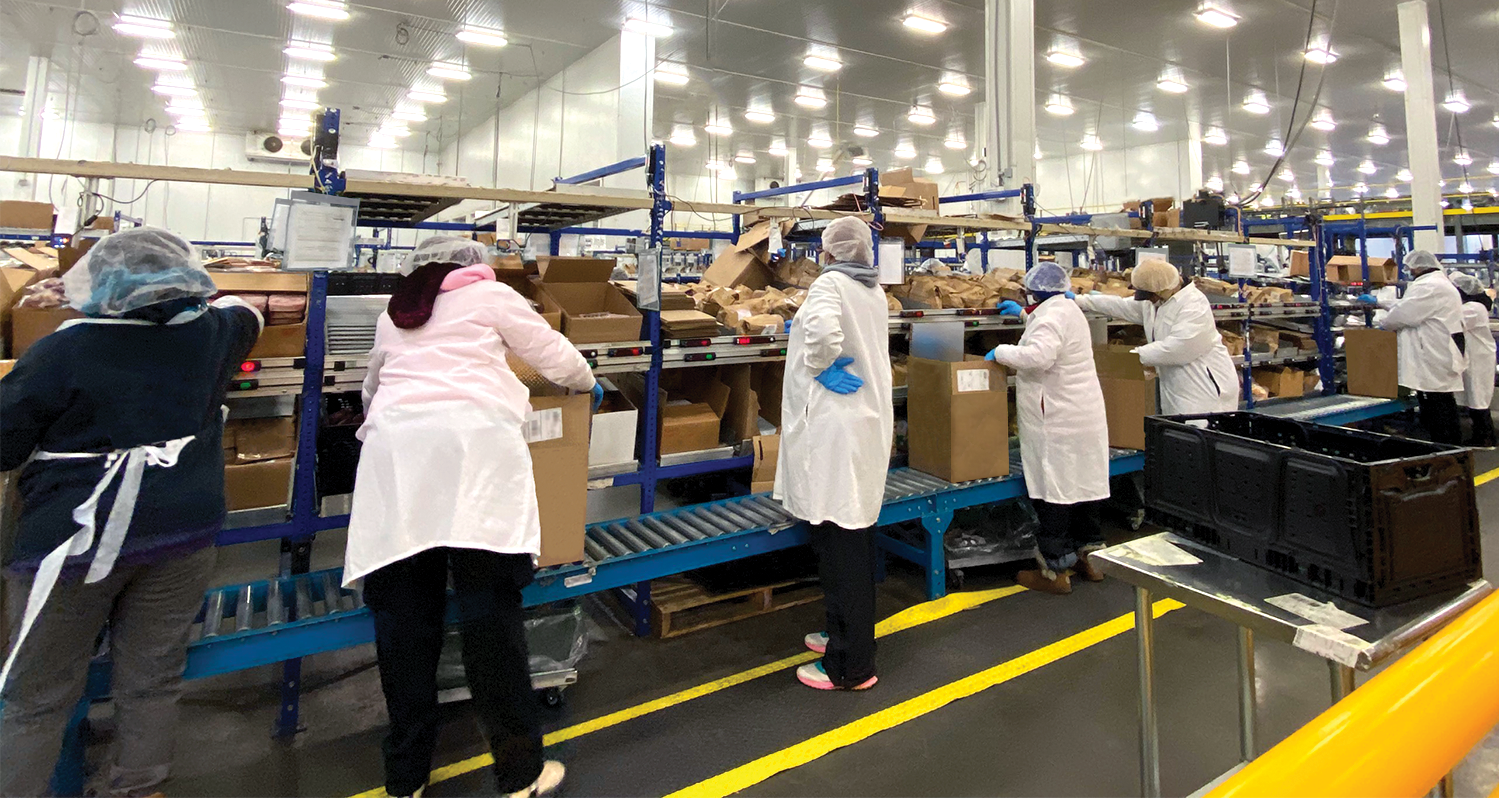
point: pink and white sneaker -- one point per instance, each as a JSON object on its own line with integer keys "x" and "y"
{"x": 817, "y": 641}
{"x": 815, "y": 676}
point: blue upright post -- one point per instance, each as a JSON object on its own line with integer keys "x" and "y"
{"x": 1247, "y": 370}
{"x": 872, "y": 200}
{"x": 1322, "y": 325}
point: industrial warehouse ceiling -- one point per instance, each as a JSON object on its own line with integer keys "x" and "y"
{"x": 743, "y": 55}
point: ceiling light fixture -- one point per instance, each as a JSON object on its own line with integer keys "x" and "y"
{"x": 424, "y": 96}
{"x": 1146, "y": 121}
{"x": 824, "y": 165}
{"x": 299, "y": 104}
{"x": 810, "y": 97}
{"x": 409, "y": 115}
{"x": 1214, "y": 183}
{"x": 1036, "y": 153}
{"x": 778, "y": 148}
{"x": 1215, "y": 136}
{"x": 1274, "y": 148}
{"x": 1496, "y": 119}
{"x": 309, "y": 51}
{"x": 670, "y": 73}
{"x": 160, "y": 63}
{"x": 1394, "y": 80}
{"x": 449, "y": 70}
{"x": 380, "y": 142}
{"x": 174, "y": 90}
{"x": 1232, "y": 199}
{"x": 292, "y": 131}
{"x": 953, "y": 87}
{"x": 1462, "y": 158}
{"x": 1392, "y": 193}
{"x": 1320, "y": 54}
{"x": 744, "y": 157}
{"x": 1287, "y": 176}
{"x": 1378, "y": 136}
{"x": 483, "y": 37}
{"x": 1324, "y": 158}
{"x": 682, "y": 136}
{"x": 866, "y": 131}
{"x": 1059, "y": 105}
{"x": 1294, "y": 193}
{"x": 645, "y": 27}
{"x": 1367, "y": 167}
{"x": 862, "y": 160}
{"x": 920, "y": 115}
{"x": 716, "y": 127}
{"x": 184, "y": 110}
{"x": 933, "y": 166}
{"x": 1324, "y": 121}
{"x": 1240, "y": 167}
{"x": 1255, "y": 103}
{"x": 394, "y": 130}
{"x": 822, "y": 63}
{"x": 760, "y": 116}
{"x": 1172, "y": 85}
{"x": 1456, "y": 102}
{"x": 334, "y": 10}
{"x": 1216, "y": 16}
{"x": 1065, "y": 59}
{"x": 955, "y": 141}
{"x": 1404, "y": 176}
{"x": 922, "y": 24}
{"x": 1091, "y": 142}
{"x": 1494, "y": 167}
{"x": 819, "y": 141}
{"x": 905, "y": 151}
{"x": 1266, "y": 201}
{"x": 304, "y": 81}
{"x": 1361, "y": 189}
{"x": 143, "y": 27}
{"x": 716, "y": 166}
{"x": 1465, "y": 187}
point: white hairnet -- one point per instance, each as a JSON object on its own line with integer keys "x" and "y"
{"x": 134, "y": 268}
{"x": 849, "y": 240}
{"x": 1155, "y": 275}
{"x": 1467, "y": 283}
{"x": 446, "y": 249}
{"x": 1047, "y": 277}
{"x": 1421, "y": 259}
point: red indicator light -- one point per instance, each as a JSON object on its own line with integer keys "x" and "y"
{"x": 250, "y": 365}
{"x": 743, "y": 340}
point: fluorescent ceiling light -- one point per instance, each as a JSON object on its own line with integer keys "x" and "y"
{"x": 645, "y": 27}
{"x": 173, "y": 90}
{"x": 1172, "y": 85}
{"x": 394, "y": 131}
{"x": 1216, "y": 16}
{"x": 1214, "y": 183}
{"x": 955, "y": 142}
{"x": 1036, "y": 153}
{"x": 824, "y": 165}
{"x": 718, "y": 128}
{"x": 778, "y": 148}
{"x": 921, "y": 116}
{"x": 933, "y": 166}
{"x": 1294, "y": 193}
{"x": 1255, "y": 103}
{"x": 423, "y": 96}
{"x": 1494, "y": 167}
{"x": 744, "y": 157}
{"x": 1146, "y": 121}
{"x": 1392, "y": 193}
{"x": 1274, "y": 148}
{"x": 809, "y": 97}
{"x": 683, "y": 137}
{"x": 1324, "y": 121}
{"x": 820, "y": 141}
{"x": 447, "y": 70}
{"x": 716, "y": 166}
{"x": 1465, "y": 187}
{"x": 671, "y": 74}
{"x": 295, "y": 121}
{"x": 1324, "y": 158}
{"x": 822, "y": 64}
{"x": 1404, "y": 176}
{"x": 335, "y": 10}
{"x": 953, "y": 88}
{"x": 1287, "y": 176}
{"x": 1266, "y": 201}
{"x": 143, "y": 27}
{"x": 861, "y": 160}
{"x": 186, "y": 110}
{"x": 310, "y": 51}
{"x": 1462, "y": 158}
{"x": 1378, "y": 135}
{"x": 483, "y": 37}
{"x": 1395, "y": 80}
{"x": 1367, "y": 167}
{"x": 1256, "y": 187}
{"x": 922, "y": 24}
{"x": 760, "y": 116}
{"x": 299, "y": 104}
{"x": 409, "y": 115}
{"x": 1233, "y": 199}
{"x": 1320, "y": 54}
{"x": 1091, "y": 142}
{"x": 1456, "y": 102}
{"x": 304, "y": 81}
{"x": 905, "y": 151}
{"x": 1065, "y": 59}
{"x": 866, "y": 132}
{"x": 1215, "y": 136}
{"x": 161, "y": 63}
{"x": 291, "y": 131}
{"x": 1361, "y": 188}
{"x": 1059, "y": 105}
{"x": 1240, "y": 167}
{"x": 1496, "y": 119}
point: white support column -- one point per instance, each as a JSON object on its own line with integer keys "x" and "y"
{"x": 1421, "y": 123}
{"x": 1193, "y": 167}
{"x": 1009, "y": 107}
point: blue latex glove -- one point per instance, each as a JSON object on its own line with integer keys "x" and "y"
{"x": 788, "y": 326}
{"x": 598, "y": 397}
{"x": 1070, "y": 295}
{"x": 1367, "y": 299}
{"x": 990, "y": 356}
{"x": 835, "y": 379}
{"x": 1009, "y": 307}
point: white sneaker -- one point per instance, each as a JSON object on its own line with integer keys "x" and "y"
{"x": 418, "y": 794}
{"x": 817, "y": 641}
{"x": 545, "y": 784}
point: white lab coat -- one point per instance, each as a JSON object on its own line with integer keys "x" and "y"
{"x": 444, "y": 462}
{"x": 1426, "y": 318}
{"x": 1064, "y": 438}
{"x": 1478, "y": 379}
{"x": 835, "y": 448}
{"x": 1196, "y": 375}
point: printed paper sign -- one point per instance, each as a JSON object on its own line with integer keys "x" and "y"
{"x": 543, "y": 425}
{"x": 970, "y": 380}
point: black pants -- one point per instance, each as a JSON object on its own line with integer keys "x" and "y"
{"x": 1439, "y": 416}
{"x": 1483, "y": 426}
{"x": 408, "y": 600}
{"x": 845, "y": 564}
{"x": 1066, "y": 528}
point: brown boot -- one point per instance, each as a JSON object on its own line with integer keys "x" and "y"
{"x": 1086, "y": 569}
{"x": 1057, "y": 585}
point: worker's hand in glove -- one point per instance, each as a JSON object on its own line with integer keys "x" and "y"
{"x": 835, "y": 379}
{"x": 788, "y": 326}
{"x": 1367, "y": 299}
{"x": 1009, "y": 307}
{"x": 1070, "y": 295}
{"x": 598, "y": 397}
{"x": 990, "y": 356}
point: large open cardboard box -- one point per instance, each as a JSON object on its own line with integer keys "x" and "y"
{"x": 746, "y": 263}
{"x": 958, "y": 416}
{"x": 580, "y": 286}
{"x": 559, "y": 464}
{"x": 1373, "y": 363}
{"x": 23, "y": 215}
{"x": 1129, "y": 396}
{"x": 282, "y": 340}
{"x": 530, "y": 288}
{"x": 1282, "y": 382}
{"x": 612, "y": 438}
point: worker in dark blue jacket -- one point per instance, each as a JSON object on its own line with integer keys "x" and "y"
{"x": 116, "y": 423}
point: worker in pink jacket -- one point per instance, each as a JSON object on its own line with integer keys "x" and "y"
{"x": 445, "y": 488}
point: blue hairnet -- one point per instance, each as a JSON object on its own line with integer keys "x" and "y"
{"x": 135, "y": 268}
{"x": 1421, "y": 259}
{"x": 1048, "y": 278}
{"x": 446, "y": 249}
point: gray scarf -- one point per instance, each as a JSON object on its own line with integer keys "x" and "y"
{"x": 866, "y": 275}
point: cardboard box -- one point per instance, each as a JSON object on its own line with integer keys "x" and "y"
{"x": 27, "y": 215}
{"x": 248, "y": 486}
{"x": 688, "y": 428}
{"x": 580, "y": 286}
{"x": 1301, "y": 263}
{"x": 741, "y": 412}
{"x": 6, "y": 366}
{"x": 612, "y": 438}
{"x": 1373, "y": 363}
{"x": 1349, "y": 269}
{"x": 29, "y": 325}
{"x": 1169, "y": 218}
{"x": 735, "y": 268}
{"x": 767, "y": 450}
{"x": 1280, "y": 381}
{"x": 1297, "y": 340}
{"x": 957, "y": 415}
{"x": 559, "y": 465}
{"x": 282, "y": 340}
{"x": 530, "y": 288}
{"x": 1232, "y": 341}
{"x": 252, "y": 440}
{"x": 1129, "y": 396}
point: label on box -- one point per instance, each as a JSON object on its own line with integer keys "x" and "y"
{"x": 1322, "y": 614}
{"x": 543, "y": 425}
{"x": 1330, "y": 643}
{"x": 970, "y": 380}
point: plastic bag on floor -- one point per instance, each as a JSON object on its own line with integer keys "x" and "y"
{"x": 556, "y": 637}
{"x": 991, "y": 530}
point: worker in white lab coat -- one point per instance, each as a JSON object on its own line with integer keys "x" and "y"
{"x": 837, "y": 422}
{"x": 1196, "y": 375}
{"x": 1064, "y": 439}
{"x": 1478, "y": 378}
{"x": 1429, "y": 320}
{"x": 444, "y": 488}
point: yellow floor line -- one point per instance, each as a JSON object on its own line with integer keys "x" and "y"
{"x": 753, "y": 773}
{"x": 908, "y": 618}
{"x": 1486, "y": 477}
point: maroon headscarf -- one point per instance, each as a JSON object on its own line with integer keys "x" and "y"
{"x": 411, "y": 304}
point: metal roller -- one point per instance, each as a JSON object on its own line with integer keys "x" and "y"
{"x": 333, "y": 598}
{"x": 213, "y": 614}
{"x": 671, "y": 535}
{"x": 275, "y": 609}
{"x": 927, "y": 482}
{"x": 607, "y": 541}
{"x": 683, "y": 528}
{"x": 707, "y": 516}
{"x": 244, "y": 609}
{"x": 357, "y": 598}
{"x": 594, "y": 550}
{"x": 766, "y": 517}
{"x": 629, "y": 538}
{"x": 773, "y": 507}
{"x": 902, "y": 482}
{"x": 302, "y": 594}
{"x": 740, "y": 520}
{"x": 646, "y": 534}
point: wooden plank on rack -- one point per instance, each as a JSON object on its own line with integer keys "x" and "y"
{"x": 138, "y": 171}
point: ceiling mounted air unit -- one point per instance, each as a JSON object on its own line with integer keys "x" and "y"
{"x": 271, "y": 148}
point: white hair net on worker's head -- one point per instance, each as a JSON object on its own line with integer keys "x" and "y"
{"x": 1048, "y": 278}
{"x": 1155, "y": 275}
{"x": 849, "y": 240}
{"x": 1467, "y": 283}
{"x": 1420, "y": 259}
{"x": 135, "y": 268}
{"x": 446, "y": 249}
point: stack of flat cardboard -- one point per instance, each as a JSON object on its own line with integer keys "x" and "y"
{"x": 688, "y": 324}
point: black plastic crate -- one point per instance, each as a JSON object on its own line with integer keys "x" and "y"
{"x": 361, "y": 283}
{"x": 1372, "y": 518}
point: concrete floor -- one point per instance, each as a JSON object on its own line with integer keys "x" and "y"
{"x": 1066, "y": 728}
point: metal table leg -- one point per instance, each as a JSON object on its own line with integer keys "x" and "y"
{"x": 1342, "y": 680}
{"x": 1444, "y": 788}
{"x": 1150, "y": 743}
{"x": 1247, "y": 698}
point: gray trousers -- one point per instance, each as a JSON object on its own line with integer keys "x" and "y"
{"x": 149, "y": 609}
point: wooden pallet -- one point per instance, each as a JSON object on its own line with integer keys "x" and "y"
{"x": 680, "y": 606}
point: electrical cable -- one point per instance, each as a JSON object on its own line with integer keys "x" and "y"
{"x": 137, "y": 198}
{"x": 1290, "y": 140}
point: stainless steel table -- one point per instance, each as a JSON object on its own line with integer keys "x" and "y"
{"x": 1238, "y": 592}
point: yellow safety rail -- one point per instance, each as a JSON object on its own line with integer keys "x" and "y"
{"x": 1398, "y": 734}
